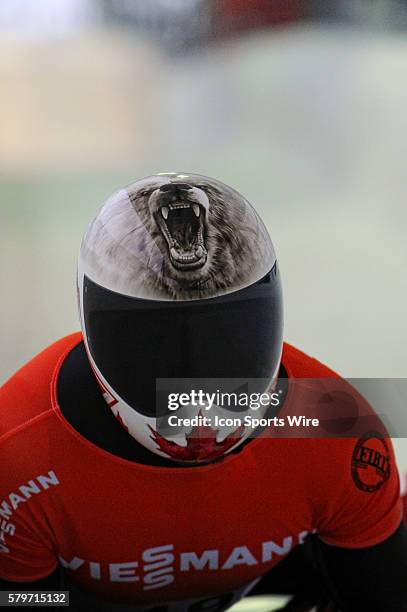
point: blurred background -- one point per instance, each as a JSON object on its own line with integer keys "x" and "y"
{"x": 300, "y": 105}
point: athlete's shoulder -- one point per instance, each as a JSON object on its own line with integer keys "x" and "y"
{"x": 27, "y": 394}
{"x": 300, "y": 365}
{"x": 347, "y": 466}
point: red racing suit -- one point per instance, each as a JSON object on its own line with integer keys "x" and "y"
{"x": 150, "y": 535}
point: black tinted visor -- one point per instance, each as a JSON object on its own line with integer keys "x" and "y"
{"x": 135, "y": 341}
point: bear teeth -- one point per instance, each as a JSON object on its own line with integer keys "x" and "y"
{"x": 164, "y": 212}
{"x": 176, "y": 206}
{"x": 196, "y": 209}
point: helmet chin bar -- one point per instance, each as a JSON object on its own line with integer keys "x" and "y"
{"x": 195, "y": 445}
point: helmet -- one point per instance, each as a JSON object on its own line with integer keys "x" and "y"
{"x": 178, "y": 288}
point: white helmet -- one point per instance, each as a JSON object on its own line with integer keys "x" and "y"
{"x": 178, "y": 284}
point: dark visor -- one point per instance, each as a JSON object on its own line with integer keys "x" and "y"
{"x": 134, "y": 341}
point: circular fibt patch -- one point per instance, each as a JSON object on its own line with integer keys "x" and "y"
{"x": 371, "y": 462}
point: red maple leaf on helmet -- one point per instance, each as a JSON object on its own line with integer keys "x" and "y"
{"x": 201, "y": 444}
